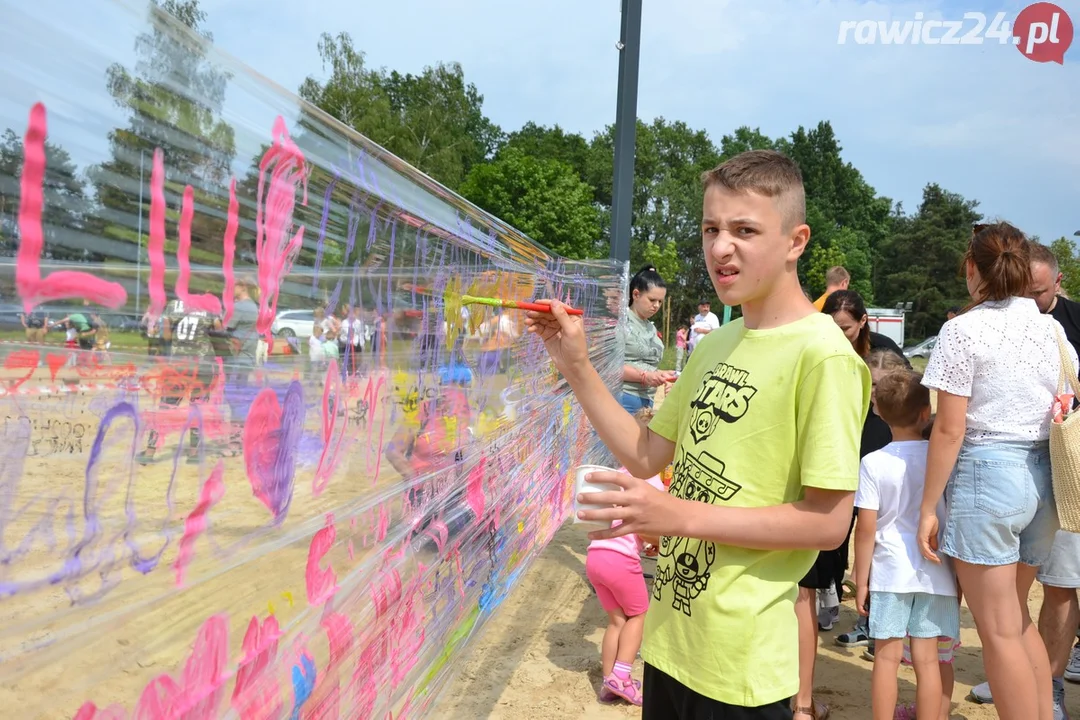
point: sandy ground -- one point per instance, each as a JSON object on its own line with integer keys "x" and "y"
{"x": 539, "y": 658}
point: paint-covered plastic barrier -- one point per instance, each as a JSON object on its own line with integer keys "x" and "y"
{"x": 259, "y": 460}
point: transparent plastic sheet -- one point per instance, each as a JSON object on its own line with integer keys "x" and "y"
{"x": 335, "y": 530}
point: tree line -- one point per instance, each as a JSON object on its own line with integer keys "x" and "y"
{"x": 552, "y": 184}
{"x": 556, "y": 186}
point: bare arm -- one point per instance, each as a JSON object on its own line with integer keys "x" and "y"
{"x": 648, "y": 378}
{"x": 865, "y": 531}
{"x": 640, "y": 450}
{"x": 950, "y": 424}
{"x": 819, "y": 521}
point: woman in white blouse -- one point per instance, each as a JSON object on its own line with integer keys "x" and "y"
{"x": 995, "y": 369}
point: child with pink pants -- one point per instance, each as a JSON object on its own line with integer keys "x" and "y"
{"x": 613, "y": 567}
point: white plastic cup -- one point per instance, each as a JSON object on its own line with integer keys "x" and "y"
{"x": 582, "y": 485}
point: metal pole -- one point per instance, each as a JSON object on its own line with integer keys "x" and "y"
{"x": 622, "y": 197}
{"x": 138, "y": 249}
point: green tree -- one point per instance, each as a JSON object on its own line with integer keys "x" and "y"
{"x": 669, "y": 160}
{"x": 745, "y": 139}
{"x": 844, "y": 248}
{"x": 842, "y": 208}
{"x": 920, "y": 261}
{"x": 552, "y": 143}
{"x": 545, "y": 199}
{"x": 434, "y": 120}
{"x": 1069, "y": 262}
{"x": 175, "y": 96}
{"x": 67, "y": 203}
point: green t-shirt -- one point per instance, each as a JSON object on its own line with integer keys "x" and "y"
{"x": 643, "y": 350}
{"x": 756, "y": 416}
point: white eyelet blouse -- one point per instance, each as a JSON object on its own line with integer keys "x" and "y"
{"x": 1003, "y": 356}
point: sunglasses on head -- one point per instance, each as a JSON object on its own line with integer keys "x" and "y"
{"x": 978, "y": 228}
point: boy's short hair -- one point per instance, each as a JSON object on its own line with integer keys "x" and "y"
{"x": 901, "y": 397}
{"x": 837, "y": 275}
{"x": 764, "y": 172}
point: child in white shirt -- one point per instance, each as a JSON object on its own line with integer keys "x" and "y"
{"x": 908, "y": 594}
{"x": 316, "y": 354}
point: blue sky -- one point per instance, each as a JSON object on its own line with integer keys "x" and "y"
{"x": 981, "y": 120}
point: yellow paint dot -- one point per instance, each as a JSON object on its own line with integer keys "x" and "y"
{"x": 270, "y": 606}
{"x": 288, "y": 597}
{"x": 521, "y": 527}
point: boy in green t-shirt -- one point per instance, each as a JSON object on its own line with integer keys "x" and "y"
{"x": 763, "y": 427}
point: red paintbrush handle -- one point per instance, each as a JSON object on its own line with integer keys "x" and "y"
{"x": 541, "y": 307}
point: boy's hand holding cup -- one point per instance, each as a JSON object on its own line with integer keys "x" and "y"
{"x": 643, "y": 510}
{"x": 585, "y": 486}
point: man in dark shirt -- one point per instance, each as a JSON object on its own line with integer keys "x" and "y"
{"x": 189, "y": 334}
{"x": 1046, "y": 286}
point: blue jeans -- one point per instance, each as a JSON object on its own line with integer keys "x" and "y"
{"x": 1000, "y": 505}
{"x": 633, "y": 403}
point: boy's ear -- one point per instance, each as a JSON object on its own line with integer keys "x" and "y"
{"x": 799, "y": 239}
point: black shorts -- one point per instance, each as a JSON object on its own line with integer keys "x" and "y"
{"x": 823, "y": 574}
{"x": 665, "y": 698}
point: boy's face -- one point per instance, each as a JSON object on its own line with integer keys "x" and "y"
{"x": 746, "y": 247}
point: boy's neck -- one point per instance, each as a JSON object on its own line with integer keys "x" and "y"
{"x": 902, "y": 434}
{"x": 785, "y": 304}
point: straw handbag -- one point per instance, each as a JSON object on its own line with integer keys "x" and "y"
{"x": 1065, "y": 447}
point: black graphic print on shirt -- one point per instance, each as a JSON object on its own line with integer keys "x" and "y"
{"x": 699, "y": 475}
{"x": 724, "y": 395}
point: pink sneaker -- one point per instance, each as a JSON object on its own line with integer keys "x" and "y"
{"x": 629, "y": 689}
{"x": 904, "y": 712}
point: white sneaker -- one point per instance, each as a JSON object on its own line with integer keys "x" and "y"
{"x": 981, "y": 694}
{"x": 1059, "y": 702}
{"x": 1072, "y": 670}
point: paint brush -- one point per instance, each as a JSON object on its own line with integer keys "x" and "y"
{"x": 514, "y": 305}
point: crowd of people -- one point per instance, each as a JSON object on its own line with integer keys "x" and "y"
{"x": 795, "y": 428}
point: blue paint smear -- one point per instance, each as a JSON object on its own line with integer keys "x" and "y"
{"x": 303, "y": 682}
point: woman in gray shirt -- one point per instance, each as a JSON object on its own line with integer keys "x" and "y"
{"x": 642, "y": 343}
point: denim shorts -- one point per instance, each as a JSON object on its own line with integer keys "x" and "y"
{"x": 917, "y": 615}
{"x": 1000, "y": 505}
{"x": 632, "y": 403}
{"x": 1062, "y": 569}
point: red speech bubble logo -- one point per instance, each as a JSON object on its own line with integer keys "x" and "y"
{"x": 1043, "y": 32}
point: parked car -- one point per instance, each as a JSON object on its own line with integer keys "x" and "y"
{"x": 922, "y": 350}
{"x": 293, "y": 323}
